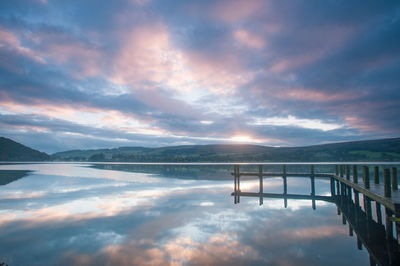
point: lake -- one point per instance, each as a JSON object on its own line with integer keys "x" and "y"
{"x": 80, "y": 214}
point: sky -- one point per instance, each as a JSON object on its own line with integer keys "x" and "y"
{"x": 102, "y": 74}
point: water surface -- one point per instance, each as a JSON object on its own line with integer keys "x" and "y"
{"x": 79, "y": 214}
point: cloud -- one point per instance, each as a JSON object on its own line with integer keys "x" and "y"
{"x": 248, "y": 39}
{"x": 296, "y": 122}
{"x": 160, "y": 70}
{"x": 236, "y": 10}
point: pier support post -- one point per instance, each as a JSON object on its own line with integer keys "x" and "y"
{"x": 389, "y": 225}
{"x": 366, "y": 176}
{"x": 337, "y": 170}
{"x": 389, "y": 234}
{"x": 285, "y": 201}
{"x": 348, "y": 172}
{"x": 386, "y": 179}
{"x": 359, "y": 244}
{"x": 368, "y": 207}
{"x": 337, "y": 188}
{"x": 260, "y": 176}
{"x": 394, "y": 178}
{"x": 284, "y": 179}
{"x": 341, "y": 170}
{"x": 355, "y": 175}
{"x": 238, "y": 183}
{"x": 376, "y": 174}
{"x": 235, "y": 183}
{"x": 378, "y": 212}
{"x": 371, "y": 261}
{"x": 238, "y": 178}
{"x": 349, "y": 193}
{"x": 313, "y": 187}
{"x": 356, "y": 198}
{"x": 332, "y": 187}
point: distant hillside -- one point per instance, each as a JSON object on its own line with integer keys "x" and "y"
{"x": 371, "y": 150}
{"x": 14, "y": 151}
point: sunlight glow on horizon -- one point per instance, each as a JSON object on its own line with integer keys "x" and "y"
{"x": 291, "y": 120}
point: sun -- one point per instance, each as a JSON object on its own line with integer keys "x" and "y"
{"x": 242, "y": 138}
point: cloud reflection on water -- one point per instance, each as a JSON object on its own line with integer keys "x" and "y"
{"x": 83, "y": 220}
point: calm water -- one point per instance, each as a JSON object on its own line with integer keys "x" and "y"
{"x": 73, "y": 214}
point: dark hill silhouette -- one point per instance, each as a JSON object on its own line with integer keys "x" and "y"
{"x": 14, "y": 151}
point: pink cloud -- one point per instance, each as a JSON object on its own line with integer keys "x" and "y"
{"x": 221, "y": 74}
{"x": 234, "y": 10}
{"x": 249, "y": 39}
{"x": 220, "y": 249}
{"x": 312, "y": 233}
{"x": 148, "y": 59}
{"x": 314, "y": 95}
{"x": 88, "y": 59}
{"x": 321, "y": 41}
{"x": 143, "y": 56}
{"x": 8, "y": 40}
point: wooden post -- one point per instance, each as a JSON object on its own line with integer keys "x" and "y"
{"x": 371, "y": 261}
{"x": 337, "y": 187}
{"x": 332, "y": 187}
{"x": 238, "y": 177}
{"x": 378, "y": 212}
{"x": 341, "y": 189}
{"x": 348, "y": 172}
{"x": 356, "y": 198}
{"x": 313, "y": 187}
{"x": 389, "y": 234}
{"x": 357, "y": 204}
{"x": 260, "y": 170}
{"x": 389, "y": 226}
{"x": 341, "y": 170}
{"x": 394, "y": 178}
{"x": 312, "y": 181}
{"x": 349, "y": 193}
{"x": 386, "y": 180}
{"x": 238, "y": 183}
{"x": 337, "y": 170}
{"x": 355, "y": 175}
{"x": 359, "y": 244}
{"x": 343, "y": 219}
{"x": 350, "y": 230}
{"x": 368, "y": 207}
{"x": 366, "y": 176}
{"x": 284, "y": 179}
{"x": 376, "y": 174}
{"x": 235, "y": 177}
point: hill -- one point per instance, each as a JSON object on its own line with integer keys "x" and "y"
{"x": 370, "y": 150}
{"x": 14, "y": 151}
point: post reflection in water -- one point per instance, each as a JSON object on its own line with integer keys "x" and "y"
{"x": 377, "y": 238}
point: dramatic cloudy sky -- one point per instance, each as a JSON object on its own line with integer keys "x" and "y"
{"x": 90, "y": 74}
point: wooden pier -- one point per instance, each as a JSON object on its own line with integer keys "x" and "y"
{"x": 347, "y": 182}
